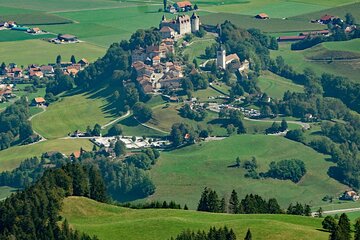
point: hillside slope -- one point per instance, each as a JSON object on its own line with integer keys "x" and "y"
{"x": 111, "y": 222}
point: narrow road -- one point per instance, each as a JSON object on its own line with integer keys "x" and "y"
{"x": 306, "y": 126}
{"x": 30, "y": 118}
{"x": 337, "y": 211}
{"x": 116, "y": 120}
{"x": 151, "y": 127}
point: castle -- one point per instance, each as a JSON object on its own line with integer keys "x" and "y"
{"x": 231, "y": 62}
{"x": 179, "y": 26}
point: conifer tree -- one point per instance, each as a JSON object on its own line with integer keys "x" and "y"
{"x": 344, "y": 227}
{"x": 234, "y": 203}
{"x": 97, "y": 185}
{"x": 357, "y": 229}
{"x": 248, "y": 235}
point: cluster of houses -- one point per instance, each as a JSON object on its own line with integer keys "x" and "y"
{"x": 14, "y": 26}
{"x": 16, "y": 74}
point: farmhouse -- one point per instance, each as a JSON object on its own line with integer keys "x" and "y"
{"x": 262, "y": 16}
{"x": 183, "y": 6}
{"x": 350, "y": 195}
{"x": 326, "y": 19}
{"x": 83, "y": 62}
{"x": 47, "y": 70}
{"x": 34, "y": 30}
{"x": 39, "y": 101}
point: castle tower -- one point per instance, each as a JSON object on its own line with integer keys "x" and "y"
{"x": 221, "y": 57}
{"x": 195, "y": 23}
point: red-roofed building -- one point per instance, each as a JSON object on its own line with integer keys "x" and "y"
{"x": 39, "y": 101}
{"x": 290, "y": 38}
{"x": 183, "y": 6}
{"x": 326, "y": 19}
{"x": 262, "y": 16}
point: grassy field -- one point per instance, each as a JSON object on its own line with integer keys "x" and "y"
{"x": 300, "y": 60}
{"x": 181, "y": 175}
{"x": 276, "y": 86}
{"x": 10, "y": 35}
{"x": 350, "y": 46}
{"x": 272, "y": 25}
{"x": 111, "y": 222}
{"x": 6, "y": 191}
{"x": 197, "y": 48}
{"x": 42, "y": 52}
{"x": 72, "y": 113}
{"x": 11, "y": 157}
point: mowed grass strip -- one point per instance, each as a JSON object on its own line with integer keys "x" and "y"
{"x": 276, "y": 86}
{"x": 42, "y": 52}
{"x": 72, "y": 113}
{"x": 112, "y": 222}
{"x": 182, "y": 174}
{"x": 10, "y": 158}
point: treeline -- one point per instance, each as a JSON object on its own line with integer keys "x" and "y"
{"x": 251, "y": 204}
{"x": 14, "y": 125}
{"x": 124, "y": 180}
{"x": 213, "y": 234}
{"x": 155, "y": 204}
{"x": 34, "y": 212}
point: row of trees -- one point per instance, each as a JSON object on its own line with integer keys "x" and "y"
{"x": 212, "y": 234}
{"x": 251, "y": 204}
{"x": 341, "y": 230}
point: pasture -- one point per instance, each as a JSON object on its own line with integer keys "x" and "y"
{"x": 276, "y": 86}
{"x": 182, "y": 174}
{"x": 42, "y": 52}
{"x": 300, "y": 60}
{"x": 10, "y": 158}
{"x": 72, "y": 113}
{"x": 112, "y": 222}
{"x": 10, "y": 35}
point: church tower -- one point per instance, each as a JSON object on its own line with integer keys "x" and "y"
{"x": 221, "y": 57}
{"x": 195, "y": 23}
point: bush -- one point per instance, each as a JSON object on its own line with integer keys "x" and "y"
{"x": 293, "y": 170}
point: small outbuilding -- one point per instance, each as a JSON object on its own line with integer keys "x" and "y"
{"x": 39, "y": 101}
{"x": 262, "y": 16}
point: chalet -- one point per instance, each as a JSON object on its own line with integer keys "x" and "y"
{"x": 326, "y": 19}
{"x": 290, "y": 38}
{"x": 83, "y": 62}
{"x": 350, "y": 195}
{"x": 39, "y": 101}
{"x": 183, "y": 6}
{"x": 262, "y": 16}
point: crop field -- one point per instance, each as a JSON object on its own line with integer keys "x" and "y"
{"x": 300, "y": 60}
{"x": 72, "y": 113}
{"x": 112, "y": 222}
{"x": 276, "y": 86}
{"x": 182, "y": 174}
{"x": 42, "y": 52}
{"x": 10, "y": 158}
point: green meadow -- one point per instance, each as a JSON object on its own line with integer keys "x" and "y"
{"x": 71, "y": 113}
{"x": 112, "y": 222}
{"x": 42, "y": 52}
{"x": 10, "y": 158}
{"x": 182, "y": 174}
{"x": 276, "y": 86}
{"x": 300, "y": 60}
